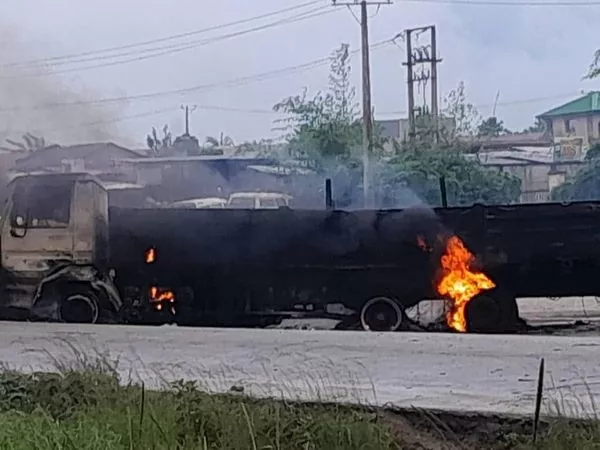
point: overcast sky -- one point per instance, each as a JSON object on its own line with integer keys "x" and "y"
{"x": 525, "y": 52}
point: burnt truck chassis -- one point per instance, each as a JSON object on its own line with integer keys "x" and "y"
{"x": 254, "y": 268}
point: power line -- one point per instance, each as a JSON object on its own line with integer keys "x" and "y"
{"x": 259, "y": 111}
{"x": 239, "y": 81}
{"x": 158, "y": 40}
{"x": 175, "y": 49}
{"x": 510, "y": 3}
{"x": 197, "y": 43}
{"x": 509, "y": 103}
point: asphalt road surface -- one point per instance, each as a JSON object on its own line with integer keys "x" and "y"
{"x": 441, "y": 371}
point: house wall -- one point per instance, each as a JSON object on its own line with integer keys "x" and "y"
{"x": 585, "y": 127}
{"x": 538, "y": 179}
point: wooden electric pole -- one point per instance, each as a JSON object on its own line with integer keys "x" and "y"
{"x": 422, "y": 55}
{"x": 367, "y": 112}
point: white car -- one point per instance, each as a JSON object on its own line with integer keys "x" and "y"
{"x": 258, "y": 200}
{"x": 200, "y": 203}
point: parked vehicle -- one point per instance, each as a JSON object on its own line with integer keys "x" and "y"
{"x": 200, "y": 203}
{"x": 258, "y": 200}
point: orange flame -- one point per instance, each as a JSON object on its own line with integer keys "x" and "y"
{"x": 150, "y": 255}
{"x": 459, "y": 282}
{"x": 157, "y": 295}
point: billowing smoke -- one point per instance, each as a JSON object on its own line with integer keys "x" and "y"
{"x": 30, "y": 102}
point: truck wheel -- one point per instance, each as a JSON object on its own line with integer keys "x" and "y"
{"x": 492, "y": 312}
{"x": 381, "y": 314}
{"x": 79, "y": 306}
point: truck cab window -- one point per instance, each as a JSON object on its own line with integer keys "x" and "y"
{"x": 42, "y": 206}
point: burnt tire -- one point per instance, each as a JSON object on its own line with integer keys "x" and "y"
{"x": 79, "y": 305}
{"x": 492, "y": 312}
{"x": 381, "y": 314}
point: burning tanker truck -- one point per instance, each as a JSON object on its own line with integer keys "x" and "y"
{"x": 67, "y": 257}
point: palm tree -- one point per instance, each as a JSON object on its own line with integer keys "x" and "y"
{"x": 30, "y": 143}
{"x": 223, "y": 141}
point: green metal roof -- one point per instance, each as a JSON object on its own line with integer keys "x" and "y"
{"x": 582, "y": 105}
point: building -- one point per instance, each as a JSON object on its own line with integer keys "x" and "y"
{"x": 533, "y": 165}
{"x": 99, "y": 157}
{"x": 574, "y": 127}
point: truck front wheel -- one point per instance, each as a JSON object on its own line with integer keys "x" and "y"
{"x": 79, "y": 306}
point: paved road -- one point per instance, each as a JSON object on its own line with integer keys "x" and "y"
{"x": 453, "y": 372}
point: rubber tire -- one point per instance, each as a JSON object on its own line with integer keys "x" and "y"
{"x": 492, "y": 312}
{"x": 80, "y": 293}
{"x": 389, "y": 301}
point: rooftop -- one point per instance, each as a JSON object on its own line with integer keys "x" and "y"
{"x": 586, "y": 104}
{"x": 203, "y": 158}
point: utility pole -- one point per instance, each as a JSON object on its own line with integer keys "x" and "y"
{"x": 367, "y": 111}
{"x": 419, "y": 55}
{"x": 187, "y": 110}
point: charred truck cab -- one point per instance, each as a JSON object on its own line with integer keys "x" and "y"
{"x": 55, "y": 250}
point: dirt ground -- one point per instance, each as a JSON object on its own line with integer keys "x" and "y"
{"x": 434, "y": 430}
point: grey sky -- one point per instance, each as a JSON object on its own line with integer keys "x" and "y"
{"x": 525, "y": 52}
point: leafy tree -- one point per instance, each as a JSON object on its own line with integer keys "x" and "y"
{"x": 537, "y": 127}
{"x": 586, "y": 184}
{"x": 593, "y": 152}
{"x": 263, "y": 147}
{"x": 325, "y": 128}
{"x": 491, "y": 127}
{"x": 419, "y": 166}
{"x": 464, "y": 114}
{"x": 325, "y": 131}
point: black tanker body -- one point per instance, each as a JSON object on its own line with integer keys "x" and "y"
{"x": 252, "y": 261}
{"x": 235, "y": 263}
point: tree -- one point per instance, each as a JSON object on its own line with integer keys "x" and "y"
{"x": 537, "y": 127}
{"x": 594, "y": 70}
{"x": 223, "y": 141}
{"x": 419, "y": 166}
{"x": 30, "y": 143}
{"x": 160, "y": 146}
{"x": 593, "y": 152}
{"x": 324, "y": 129}
{"x": 586, "y": 184}
{"x": 464, "y": 114}
{"x": 491, "y": 127}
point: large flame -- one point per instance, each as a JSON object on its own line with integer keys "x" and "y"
{"x": 459, "y": 282}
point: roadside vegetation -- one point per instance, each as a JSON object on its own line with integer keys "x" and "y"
{"x": 85, "y": 405}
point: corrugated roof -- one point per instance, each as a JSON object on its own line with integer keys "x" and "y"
{"x": 54, "y": 154}
{"x": 583, "y": 105}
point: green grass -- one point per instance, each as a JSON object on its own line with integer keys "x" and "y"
{"x": 91, "y": 411}
{"x": 86, "y": 406}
